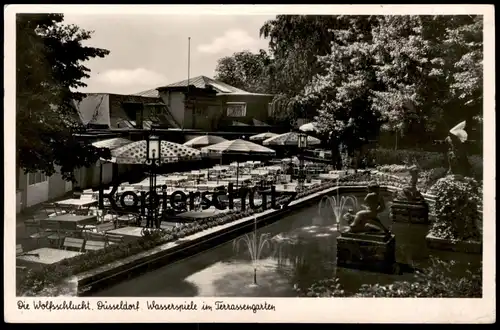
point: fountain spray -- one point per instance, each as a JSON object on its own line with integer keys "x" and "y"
{"x": 255, "y": 247}
{"x": 338, "y": 205}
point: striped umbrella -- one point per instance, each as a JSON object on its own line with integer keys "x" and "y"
{"x": 290, "y": 139}
{"x": 135, "y": 153}
{"x": 239, "y": 147}
{"x": 309, "y": 127}
{"x": 111, "y": 143}
{"x": 204, "y": 140}
{"x": 263, "y": 136}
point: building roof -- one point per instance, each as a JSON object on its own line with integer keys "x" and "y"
{"x": 100, "y": 109}
{"x": 149, "y": 93}
{"x": 202, "y": 82}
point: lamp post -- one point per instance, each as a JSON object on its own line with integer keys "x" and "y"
{"x": 153, "y": 157}
{"x": 302, "y": 144}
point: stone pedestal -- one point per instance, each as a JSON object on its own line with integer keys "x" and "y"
{"x": 408, "y": 211}
{"x": 371, "y": 251}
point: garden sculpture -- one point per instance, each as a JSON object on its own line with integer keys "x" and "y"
{"x": 367, "y": 220}
{"x": 410, "y": 193}
{"x": 458, "y": 163}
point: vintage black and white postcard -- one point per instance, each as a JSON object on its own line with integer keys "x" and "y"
{"x": 226, "y": 163}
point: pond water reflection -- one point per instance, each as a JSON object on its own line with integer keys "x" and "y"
{"x": 301, "y": 251}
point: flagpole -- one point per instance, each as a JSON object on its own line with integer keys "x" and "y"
{"x": 189, "y": 60}
{"x": 189, "y": 68}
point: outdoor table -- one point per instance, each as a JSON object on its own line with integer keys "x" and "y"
{"x": 259, "y": 172}
{"x": 284, "y": 188}
{"x": 47, "y": 255}
{"x": 239, "y": 179}
{"x": 128, "y": 233}
{"x": 220, "y": 168}
{"x": 176, "y": 179}
{"x": 83, "y": 202}
{"x": 329, "y": 176}
{"x": 69, "y": 221}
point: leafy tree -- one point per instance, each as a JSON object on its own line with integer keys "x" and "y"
{"x": 245, "y": 70}
{"x": 343, "y": 93}
{"x": 295, "y": 42}
{"x": 424, "y": 63}
{"x": 48, "y": 59}
{"x": 465, "y": 43}
{"x": 416, "y": 74}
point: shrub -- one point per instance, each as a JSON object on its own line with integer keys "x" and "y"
{"x": 476, "y": 163}
{"x": 437, "y": 281}
{"x": 393, "y": 168}
{"x": 456, "y": 208}
{"x": 428, "y": 178}
{"x": 425, "y": 159}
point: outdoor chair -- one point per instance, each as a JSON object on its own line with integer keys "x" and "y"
{"x": 72, "y": 243}
{"x": 94, "y": 236}
{"x": 94, "y": 245}
{"x": 52, "y": 210}
{"x": 20, "y": 252}
{"x": 126, "y": 219}
{"x": 114, "y": 239}
{"x": 65, "y": 209}
{"x": 104, "y": 227}
{"x": 106, "y": 215}
{"x": 81, "y": 211}
{"x": 55, "y": 236}
{"x": 111, "y": 216}
{"x": 34, "y": 231}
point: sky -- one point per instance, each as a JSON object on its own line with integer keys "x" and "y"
{"x": 149, "y": 51}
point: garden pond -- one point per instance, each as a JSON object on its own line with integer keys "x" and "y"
{"x": 292, "y": 253}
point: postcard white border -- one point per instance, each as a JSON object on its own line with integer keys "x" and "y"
{"x": 325, "y": 310}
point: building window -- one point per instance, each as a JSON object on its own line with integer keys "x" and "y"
{"x": 236, "y": 109}
{"x": 37, "y": 177}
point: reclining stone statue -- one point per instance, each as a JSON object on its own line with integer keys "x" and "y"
{"x": 366, "y": 221}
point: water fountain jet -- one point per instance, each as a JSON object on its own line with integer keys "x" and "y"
{"x": 255, "y": 247}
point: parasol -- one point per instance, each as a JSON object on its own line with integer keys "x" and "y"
{"x": 135, "y": 153}
{"x": 204, "y": 140}
{"x": 111, "y": 143}
{"x": 263, "y": 136}
{"x": 239, "y": 147}
{"x": 290, "y": 139}
{"x": 309, "y": 127}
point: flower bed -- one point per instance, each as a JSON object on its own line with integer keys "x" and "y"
{"x": 425, "y": 159}
{"x": 36, "y": 282}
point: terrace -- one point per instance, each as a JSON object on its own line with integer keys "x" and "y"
{"x": 66, "y": 228}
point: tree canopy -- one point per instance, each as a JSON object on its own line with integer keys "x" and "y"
{"x": 245, "y": 70}
{"x": 49, "y": 56}
{"x": 417, "y": 75}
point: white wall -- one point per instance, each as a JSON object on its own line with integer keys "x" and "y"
{"x": 37, "y": 193}
{"x": 57, "y": 186}
{"x": 18, "y": 201}
{"x": 175, "y": 102}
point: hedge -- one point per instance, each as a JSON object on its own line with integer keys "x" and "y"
{"x": 426, "y": 160}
